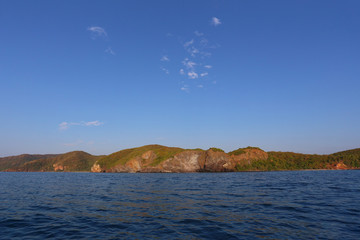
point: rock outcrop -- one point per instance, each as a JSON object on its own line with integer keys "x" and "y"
{"x": 217, "y": 161}
{"x": 96, "y": 167}
{"x": 58, "y": 167}
{"x": 187, "y": 161}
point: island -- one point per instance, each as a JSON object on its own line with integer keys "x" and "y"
{"x": 162, "y": 159}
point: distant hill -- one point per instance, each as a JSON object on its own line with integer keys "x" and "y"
{"x": 294, "y": 161}
{"x": 15, "y": 162}
{"x": 157, "y": 158}
{"x": 68, "y": 162}
{"x": 124, "y": 156}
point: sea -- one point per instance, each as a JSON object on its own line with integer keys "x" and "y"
{"x": 242, "y": 205}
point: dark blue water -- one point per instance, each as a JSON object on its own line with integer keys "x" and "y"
{"x": 269, "y": 205}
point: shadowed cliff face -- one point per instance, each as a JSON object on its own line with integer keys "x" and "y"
{"x": 185, "y": 161}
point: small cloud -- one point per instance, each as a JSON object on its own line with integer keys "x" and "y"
{"x": 193, "y": 75}
{"x": 64, "y": 125}
{"x": 67, "y": 125}
{"x": 188, "y": 63}
{"x": 204, "y": 74}
{"x": 214, "y": 82}
{"x": 182, "y": 72}
{"x": 165, "y": 70}
{"x": 185, "y": 88}
{"x": 97, "y": 31}
{"x": 215, "y": 21}
{"x": 188, "y": 43}
{"x": 205, "y": 54}
{"x": 193, "y": 51}
{"x": 199, "y": 34}
{"x": 169, "y": 35}
{"x": 93, "y": 123}
{"x": 110, "y": 51}
{"x": 208, "y": 66}
{"x": 200, "y": 86}
{"x": 165, "y": 59}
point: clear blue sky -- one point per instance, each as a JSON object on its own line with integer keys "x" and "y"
{"x": 101, "y": 76}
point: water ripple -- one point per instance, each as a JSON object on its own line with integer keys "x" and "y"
{"x": 269, "y": 205}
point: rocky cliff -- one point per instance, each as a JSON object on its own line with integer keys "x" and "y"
{"x": 151, "y": 159}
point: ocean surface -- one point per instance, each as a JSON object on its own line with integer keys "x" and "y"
{"x": 247, "y": 205}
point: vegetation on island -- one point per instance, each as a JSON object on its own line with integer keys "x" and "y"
{"x": 243, "y": 159}
{"x": 123, "y": 156}
{"x": 240, "y": 151}
{"x": 216, "y": 149}
{"x": 70, "y": 162}
{"x": 297, "y": 161}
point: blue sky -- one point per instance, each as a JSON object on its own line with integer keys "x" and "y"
{"x": 101, "y": 76}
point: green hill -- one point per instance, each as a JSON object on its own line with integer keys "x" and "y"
{"x": 69, "y": 162}
{"x": 123, "y": 156}
{"x": 296, "y": 161}
{"x": 349, "y": 157}
{"x": 15, "y": 162}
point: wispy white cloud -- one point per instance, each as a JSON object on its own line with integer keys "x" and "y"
{"x": 206, "y": 54}
{"x": 197, "y": 49}
{"x": 199, "y": 34}
{"x": 165, "y": 70}
{"x": 188, "y": 63}
{"x": 110, "y": 51}
{"x": 215, "y": 21}
{"x": 165, "y": 58}
{"x": 186, "y": 44}
{"x": 193, "y": 51}
{"x": 93, "y": 123}
{"x": 64, "y": 125}
{"x": 193, "y": 75}
{"x": 185, "y": 88}
{"x": 97, "y": 31}
{"x": 67, "y": 125}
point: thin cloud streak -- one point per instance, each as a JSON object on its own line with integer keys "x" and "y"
{"x": 188, "y": 43}
{"x": 185, "y": 88}
{"x": 199, "y": 34}
{"x": 97, "y": 31}
{"x": 67, "y": 125}
{"x": 165, "y": 59}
